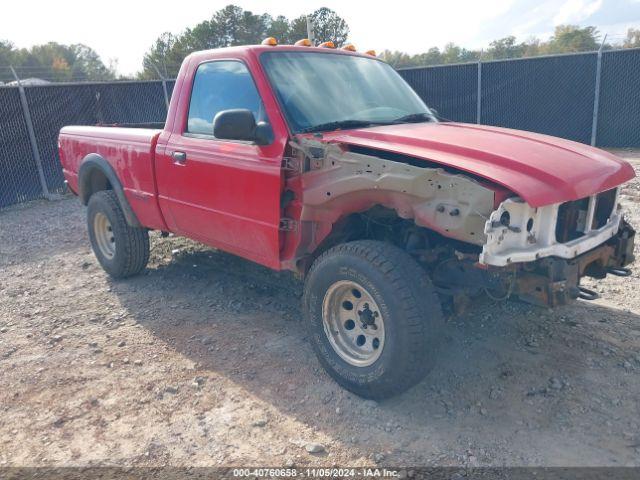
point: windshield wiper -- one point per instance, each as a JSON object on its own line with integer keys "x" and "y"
{"x": 414, "y": 118}
{"x": 341, "y": 124}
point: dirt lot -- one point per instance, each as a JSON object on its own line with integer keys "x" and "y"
{"x": 203, "y": 361}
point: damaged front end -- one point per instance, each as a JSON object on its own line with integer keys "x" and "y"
{"x": 336, "y": 181}
{"x": 550, "y": 248}
{"x": 554, "y": 281}
{"x": 472, "y": 236}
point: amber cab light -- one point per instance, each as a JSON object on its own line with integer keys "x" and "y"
{"x": 305, "y": 42}
{"x": 270, "y": 41}
{"x": 350, "y": 47}
{"x": 371, "y": 52}
{"x": 327, "y": 45}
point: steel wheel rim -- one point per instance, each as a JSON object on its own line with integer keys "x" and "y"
{"x": 103, "y": 232}
{"x": 353, "y": 323}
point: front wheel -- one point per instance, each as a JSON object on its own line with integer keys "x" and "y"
{"x": 121, "y": 249}
{"x": 374, "y": 317}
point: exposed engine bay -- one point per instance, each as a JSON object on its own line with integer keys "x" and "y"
{"x": 471, "y": 236}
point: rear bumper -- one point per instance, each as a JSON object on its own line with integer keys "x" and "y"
{"x": 554, "y": 281}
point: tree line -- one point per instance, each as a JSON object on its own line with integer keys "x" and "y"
{"x": 53, "y": 62}
{"x": 566, "y": 39}
{"x": 233, "y": 25}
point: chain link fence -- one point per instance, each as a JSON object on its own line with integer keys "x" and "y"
{"x": 551, "y": 95}
{"x": 19, "y": 180}
{"x": 619, "y": 102}
{"x": 451, "y": 89}
{"x": 50, "y": 107}
{"x": 587, "y": 97}
{"x": 53, "y": 107}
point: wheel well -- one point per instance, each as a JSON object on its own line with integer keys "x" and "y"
{"x": 377, "y": 223}
{"x": 96, "y": 181}
{"x": 95, "y": 175}
{"x": 384, "y": 224}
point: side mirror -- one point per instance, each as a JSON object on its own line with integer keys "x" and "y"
{"x": 239, "y": 124}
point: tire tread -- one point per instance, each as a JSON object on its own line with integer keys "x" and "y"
{"x": 135, "y": 240}
{"x": 422, "y": 310}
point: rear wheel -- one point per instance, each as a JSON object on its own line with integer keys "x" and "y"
{"x": 373, "y": 316}
{"x": 122, "y": 250}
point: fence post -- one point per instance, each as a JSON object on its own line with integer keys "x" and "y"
{"x": 32, "y": 136}
{"x": 596, "y": 95}
{"x": 479, "y": 94}
{"x": 164, "y": 87}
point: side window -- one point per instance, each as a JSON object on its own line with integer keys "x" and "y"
{"x": 221, "y": 85}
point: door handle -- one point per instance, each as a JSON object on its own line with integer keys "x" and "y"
{"x": 179, "y": 158}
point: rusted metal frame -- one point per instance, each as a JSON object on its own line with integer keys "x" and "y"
{"x": 337, "y": 181}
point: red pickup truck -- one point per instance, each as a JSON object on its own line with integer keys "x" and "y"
{"x": 326, "y": 163}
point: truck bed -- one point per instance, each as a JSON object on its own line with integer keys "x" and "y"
{"x": 147, "y": 125}
{"x": 131, "y": 154}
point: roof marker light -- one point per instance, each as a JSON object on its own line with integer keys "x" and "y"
{"x": 305, "y": 42}
{"x": 272, "y": 42}
{"x": 350, "y": 47}
{"x": 328, "y": 44}
{"x": 371, "y": 52}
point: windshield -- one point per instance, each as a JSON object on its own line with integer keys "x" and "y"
{"x": 324, "y": 91}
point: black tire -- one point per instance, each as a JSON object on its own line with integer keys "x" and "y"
{"x": 131, "y": 252}
{"x": 406, "y": 300}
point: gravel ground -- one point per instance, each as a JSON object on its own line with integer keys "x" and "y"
{"x": 203, "y": 361}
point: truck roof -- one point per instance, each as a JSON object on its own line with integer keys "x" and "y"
{"x": 246, "y": 50}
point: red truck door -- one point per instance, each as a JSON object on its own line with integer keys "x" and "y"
{"x": 223, "y": 193}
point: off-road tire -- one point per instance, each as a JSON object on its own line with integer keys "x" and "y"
{"x": 407, "y": 301}
{"x": 131, "y": 243}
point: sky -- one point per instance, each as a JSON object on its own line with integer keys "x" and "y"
{"x": 123, "y": 30}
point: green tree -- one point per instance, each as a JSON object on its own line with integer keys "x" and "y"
{"x": 633, "y": 38}
{"x": 328, "y": 26}
{"x": 566, "y": 39}
{"x": 431, "y": 57}
{"x": 54, "y": 62}
{"x": 505, "y": 48}
{"x": 87, "y": 65}
{"x": 280, "y": 29}
{"x": 452, "y": 53}
{"x": 397, "y": 59}
{"x": 571, "y": 38}
{"x": 6, "y": 52}
{"x": 298, "y": 29}
{"x": 531, "y": 47}
{"x": 157, "y": 59}
{"x": 6, "y": 59}
{"x": 234, "y": 26}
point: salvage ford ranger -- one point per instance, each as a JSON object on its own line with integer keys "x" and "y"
{"x": 326, "y": 163}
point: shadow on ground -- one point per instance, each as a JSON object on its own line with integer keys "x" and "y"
{"x": 510, "y": 377}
